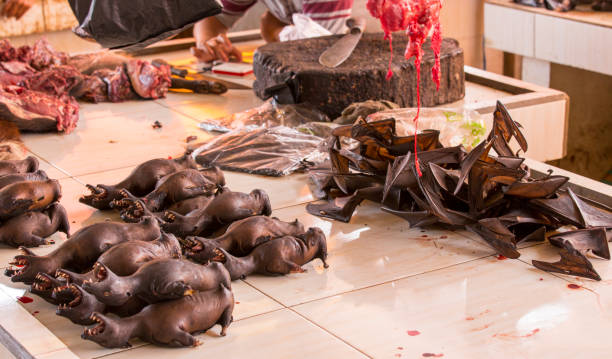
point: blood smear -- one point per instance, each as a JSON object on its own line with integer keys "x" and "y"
{"x": 25, "y": 299}
{"x": 573, "y": 286}
{"x": 417, "y": 18}
{"x": 432, "y": 355}
{"x": 413, "y": 333}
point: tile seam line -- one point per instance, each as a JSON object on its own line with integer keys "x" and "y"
{"x": 68, "y": 174}
{"x": 107, "y": 170}
{"x": 109, "y": 355}
{"x": 192, "y": 118}
{"x": 126, "y": 113}
{"x": 310, "y": 321}
{"x": 389, "y": 281}
{"x": 415, "y": 275}
{"x": 431, "y": 271}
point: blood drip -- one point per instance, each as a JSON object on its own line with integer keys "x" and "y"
{"x": 417, "y": 18}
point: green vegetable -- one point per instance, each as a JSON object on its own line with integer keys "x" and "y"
{"x": 449, "y": 116}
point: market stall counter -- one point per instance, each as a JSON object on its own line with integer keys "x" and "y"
{"x": 389, "y": 291}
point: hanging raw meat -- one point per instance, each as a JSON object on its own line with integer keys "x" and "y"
{"x": 417, "y": 18}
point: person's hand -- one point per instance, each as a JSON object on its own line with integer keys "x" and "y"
{"x": 217, "y": 48}
{"x": 16, "y": 8}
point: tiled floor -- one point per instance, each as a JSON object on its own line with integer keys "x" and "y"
{"x": 390, "y": 291}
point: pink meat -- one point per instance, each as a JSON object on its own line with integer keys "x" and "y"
{"x": 43, "y": 55}
{"x": 118, "y": 84}
{"x": 14, "y": 73}
{"x": 394, "y": 16}
{"x": 31, "y": 110}
{"x": 7, "y": 51}
{"x": 56, "y": 80}
{"x": 149, "y": 81}
{"x": 375, "y": 7}
{"x": 92, "y": 89}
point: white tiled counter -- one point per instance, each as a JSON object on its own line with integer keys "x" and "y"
{"x": 386, "y": 282}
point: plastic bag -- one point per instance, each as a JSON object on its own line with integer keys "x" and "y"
{"x": 303, "y": 28}
{"x": 134, "y": 24}
{"x": 276, "y": 151}
{"x": 269, "y": 114}
{"x": 465, "y": 128}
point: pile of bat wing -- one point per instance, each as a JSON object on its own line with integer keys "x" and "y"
{"x": 495, "y": 197}
{"x": 134, "y": 280}
{"x": 29, "y": 208}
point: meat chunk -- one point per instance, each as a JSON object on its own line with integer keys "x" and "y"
{"x": 37, "y": 111}
{"x": 149, "y": 81}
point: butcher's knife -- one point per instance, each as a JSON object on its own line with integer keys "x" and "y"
{"x": 343, "y": 48}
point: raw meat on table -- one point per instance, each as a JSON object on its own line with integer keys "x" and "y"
{"x": 38, "y": 85}
{"x": 118, "y": 85}
{"x": 56, "y": 80}
{"x": 37, "y": 111}
{"x": 148, "y": 81}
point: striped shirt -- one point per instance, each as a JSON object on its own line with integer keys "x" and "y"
{"x": 331, "y": 14}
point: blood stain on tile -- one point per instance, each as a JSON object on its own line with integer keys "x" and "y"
{"x": 508, "y": 335}
{"x": 413, "y": 333}
{"x": 501, "y": 257}
{"x": 35, "y": 312}
{"x": 479, "y": 314}
{"x": 25, "y": 299}
{"x": 432, "y": 355}
{"x": 573, "y": 286}
{"x": 443, "y": 237}
{"x": 541, "y": 279}
{"x": 400, "y": 348}
{"x": 481, "y": 328}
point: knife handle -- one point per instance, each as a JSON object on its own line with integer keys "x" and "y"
{"x": 198, "y": 86}
{"x": 356, "y": 25}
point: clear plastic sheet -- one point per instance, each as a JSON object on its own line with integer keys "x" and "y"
{"x": 457, "y": 127}
{"x": 134, "y": 24}
{"x": 276, "y": 151}
{"x": 269, "y": 114}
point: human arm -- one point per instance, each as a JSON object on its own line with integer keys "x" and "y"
{"x": 211, "y": 33}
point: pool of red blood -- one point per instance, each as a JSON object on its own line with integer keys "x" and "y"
{"x": 25, "y": 299}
